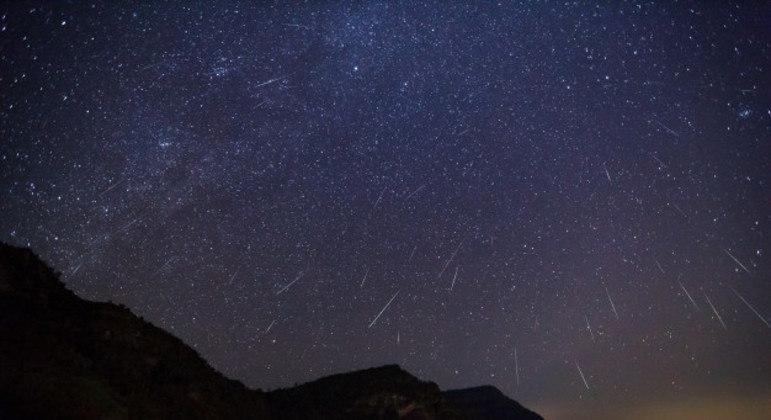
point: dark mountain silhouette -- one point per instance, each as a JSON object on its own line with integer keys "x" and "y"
{"x": 377, "y": 393}
{"x": 487, "y": 402}
{"x": 68, "y": 358}
{"x": 62, "y": 356}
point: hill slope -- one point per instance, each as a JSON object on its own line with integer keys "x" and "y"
{"x": 79, "y": 359}
{"x": 65, "y": 357}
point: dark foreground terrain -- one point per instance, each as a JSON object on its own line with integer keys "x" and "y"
{"x": 65, "y": 357}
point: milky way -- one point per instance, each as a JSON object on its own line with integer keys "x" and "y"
{"x": 568, "y": 202}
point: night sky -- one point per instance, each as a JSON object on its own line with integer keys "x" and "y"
{"x": 569, "y": 202}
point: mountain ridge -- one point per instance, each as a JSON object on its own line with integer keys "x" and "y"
{"x": 65, "y": 357}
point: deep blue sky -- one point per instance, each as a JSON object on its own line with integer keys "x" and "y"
{"x": 192, "y": 161}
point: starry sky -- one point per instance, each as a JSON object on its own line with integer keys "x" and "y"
{"x": 568, "y": 201}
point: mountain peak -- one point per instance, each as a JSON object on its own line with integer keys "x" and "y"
{"x": 488, "y": 402}
{"x": 481, "y": 389}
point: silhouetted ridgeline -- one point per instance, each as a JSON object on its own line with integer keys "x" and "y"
{"x": 487, "y": 402}
{"x": 64, "y": 357}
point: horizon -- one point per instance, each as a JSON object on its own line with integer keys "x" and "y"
{"x": 718, "y": 406}
{"x": 567, "y": 202}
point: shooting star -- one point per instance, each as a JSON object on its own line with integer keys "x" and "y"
{"x": 612, "y": 306}
{"x": 267, "y": 82}
{"x": 659, "y": 161}
{"x": 269, "y": 327}
{"x": 232, "y": 277}
{"x": 75, "y": 270}
{"x": 679, "y": 210}
{"x": 415, "y": 192}
{"x": 737, "y": 261}
{"x": 129, "y": 224}
{"x": 295, "y": 25}
{"x": 285, "y": 288}
{"x": 455, "y": 276}
{"x": 449, "y": 260}
{"x": 669, "y": 130}
{"x": 111, "y": 187}
{"x": 607, "y": 173}
{"x": 516, "y": 365}
{"x": 715, "y": 311}
{"x": 760, "y": 317}
{"x": 658, "y": 264}
{"x": 365, "y": 278}
{"x": 412, "y": 254}
{"x": 583, "y": 378}
{"x": 589, "y": 327}
{"x": 379, "y": 197}
{"x": 689, "y": 295}
{"x": 383, "y": 310}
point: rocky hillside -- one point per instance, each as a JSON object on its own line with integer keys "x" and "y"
{"x": 68, "y": 358}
